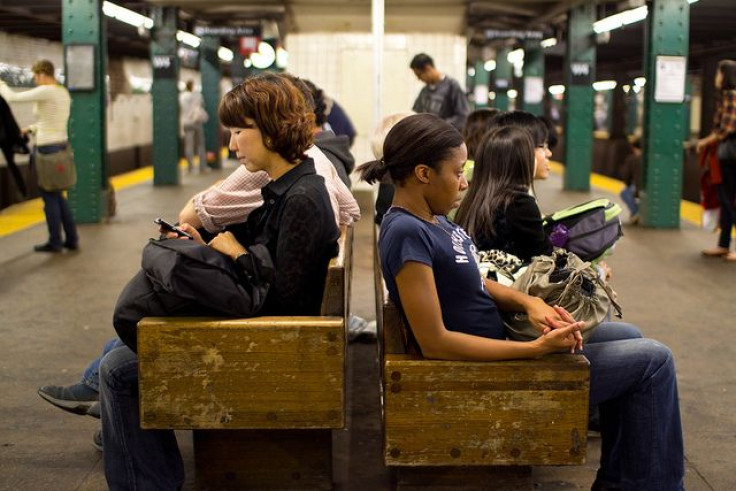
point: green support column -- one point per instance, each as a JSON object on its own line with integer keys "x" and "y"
{"x": 165, "y": 91}
{"x": 664, "y": 117}
{"x": 504, "y": 77}
{"x": 82, "y": 24}
{"x": 209, "y": 67}
{"x": 481, "y": 85}
{"x": 579, "y": 75}
{"x": 533, "y": 96}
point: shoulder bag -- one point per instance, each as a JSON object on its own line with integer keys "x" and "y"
{"x": 56, "y": 171}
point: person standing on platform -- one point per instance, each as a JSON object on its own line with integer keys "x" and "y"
{"x": 52, "y": 107}
{"x": 723, "y": 137}
{"x": 442, "y": 96}
{"x": 193, "y": 117}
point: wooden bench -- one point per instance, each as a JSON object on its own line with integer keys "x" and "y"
{"x": 262, "y": 394}
{"x": 450, "y": 423}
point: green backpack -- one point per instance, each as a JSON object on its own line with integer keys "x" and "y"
{"x": 589, "y": 229}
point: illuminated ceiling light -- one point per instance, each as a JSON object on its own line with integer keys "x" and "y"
{"x": 556, "y": 89}
{"x": 471, "y": 72}
{"x": 640, "y": 81}
{"x": 282, "y": 57}
{"x": 188, "y": 38}
{"x": 516, "y": 56}
{"x": 247, "y": 63}
{"x": 126, "y": 15}
{"x": 604, "y": 85}
{"x": 627, "y": 89}
{"x": 513, "y": 94}
{"x": 225, "y": 54}
{"x": 621, "y": 19}
{"x": 490, "y": 65}
{"x": 264, "y": 57}
{"x": 548, "y": 43}
{"x": 692, "y": 1}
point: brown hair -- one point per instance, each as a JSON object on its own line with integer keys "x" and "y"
{"x": 279, "y": 110}
{"x": 728, "y": 70}
{"x": 44, "y": 67}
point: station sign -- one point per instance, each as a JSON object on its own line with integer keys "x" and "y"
{"x": 581, "y": 73}
{"x": 164, "y": 66}
{"x": 227, "y": 31}
{"x": 521, "y": 34}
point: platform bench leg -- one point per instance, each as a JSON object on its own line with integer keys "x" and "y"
{"x": 263, "y": 459}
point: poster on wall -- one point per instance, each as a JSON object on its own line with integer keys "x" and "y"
{"x": 79, "y": 60}
{"x": 670, "y": 79}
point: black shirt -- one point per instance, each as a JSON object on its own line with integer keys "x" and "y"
{"x": 518, "y": 230}
{"x": 296, "y": 226}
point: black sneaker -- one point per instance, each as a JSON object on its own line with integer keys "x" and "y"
{"x": 77, "y": 398}
{"x": 46, "y": 248}
{"x": 71, "y": 246}
{"x": 97, "y": 440}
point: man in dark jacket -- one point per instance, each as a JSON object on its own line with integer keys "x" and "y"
{"x": 442, "y": 95}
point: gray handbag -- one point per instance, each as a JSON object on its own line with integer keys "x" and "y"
{"x": 562, "y": 279}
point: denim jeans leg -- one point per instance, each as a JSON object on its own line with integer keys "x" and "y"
{"x": 134, "y": 458}
{"x": 634, "y": 383}
{"x": 614, "y": 331}
{"x": 628, "y": 195}
{"x": 52, "y": 210}
{"x": 67, "y": 221}
{"x": 189, "y": 136}
{"x": 91, "y": 375}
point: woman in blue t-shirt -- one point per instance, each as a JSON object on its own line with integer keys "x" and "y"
{"x": 431, "y": 274}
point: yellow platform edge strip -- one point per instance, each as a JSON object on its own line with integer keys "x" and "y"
{"x": 29, "y": 213}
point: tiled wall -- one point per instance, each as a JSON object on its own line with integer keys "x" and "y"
{"x": 342, "y": 64}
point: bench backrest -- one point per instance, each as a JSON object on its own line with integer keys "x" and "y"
{"x": 336, "y": 296}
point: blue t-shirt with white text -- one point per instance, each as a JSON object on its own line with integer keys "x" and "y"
{"x": 449, "y": 251}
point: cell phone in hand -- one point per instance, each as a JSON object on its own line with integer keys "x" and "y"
{"x": 166, "y": 226}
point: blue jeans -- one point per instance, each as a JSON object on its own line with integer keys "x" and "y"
{"x": 58, "y": 215}
{"x": 91, "y": 375}
{"x": 134, "y": 458}
{"x": 628, "y": 195}
{"x": 633, "y": 382}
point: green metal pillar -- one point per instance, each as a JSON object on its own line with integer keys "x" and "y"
{"x": 533, "y": 96}
{"x": 165, "y": 91}
{"x": 209, "y": 67}
{"x": 82, "y": 24}
{"x": 664, "y": 112}
{"x": 504, "y": 77}
{"x": 579, "y": 75}
{"x": 481, "y": 85}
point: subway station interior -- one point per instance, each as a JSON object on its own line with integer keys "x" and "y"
{"x": 609, "y": 76}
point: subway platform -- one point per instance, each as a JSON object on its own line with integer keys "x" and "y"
{"x": 55, "y": 316}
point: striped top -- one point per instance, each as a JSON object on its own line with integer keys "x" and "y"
{"x": 51, "y": 108}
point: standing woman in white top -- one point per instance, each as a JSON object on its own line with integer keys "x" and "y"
{"x": 52, "y": 105}
{"x": 193, "y": 117}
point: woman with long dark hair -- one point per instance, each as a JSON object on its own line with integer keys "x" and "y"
{"x": 431, "y": 274}
{"x": 723, "y": 136}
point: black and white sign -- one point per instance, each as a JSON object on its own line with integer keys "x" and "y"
{"x": 164, "y": 66}
{"x": 581, "y": 73}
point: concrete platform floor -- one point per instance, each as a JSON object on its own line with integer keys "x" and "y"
{"x": 55, "y": 313}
